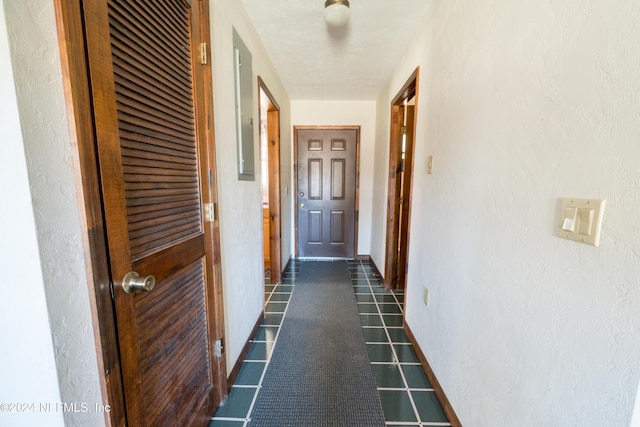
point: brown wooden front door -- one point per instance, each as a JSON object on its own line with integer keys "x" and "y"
{"x": 150, "y": 104}
{"x": 326, "y": 186}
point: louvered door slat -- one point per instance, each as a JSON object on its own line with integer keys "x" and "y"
{"x": 151, "y": 55}
{"x": 138, "y": 89}
{"x": 172, "y": 349}
{"x": 134, "y": 61}
{"x": 159, "y": 134}
{"x": 166, "y": 213}
{"x": 139, "y": 123}
{"x": 171, "y": 16}
{"x": 174, "y": 147}
{"x": 135, "y": 156}
{"x": 154, "y": 114}
{"x": 158, "y": 225}
{"x": 148, "y": 37}
{"x": 135, "y": 68}
{"x": 150, "y": 32}
{"x": 139, "y": 83}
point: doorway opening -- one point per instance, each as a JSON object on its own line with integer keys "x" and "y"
{"x": 401, "y": 155}
{"x": 270, "y": 182}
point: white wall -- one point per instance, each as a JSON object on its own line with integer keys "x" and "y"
{"x": 358, "y": 113}
{"x": 523, "y": 103}
{"x": 240, "y": 201}
{"x": 31, "y": 28}
{"x": 27, "y": 368}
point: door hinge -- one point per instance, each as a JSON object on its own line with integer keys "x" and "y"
{"x": 219, "y": 348}
{"x": 209, "y": 212}
{"x": 403, "y": 130}
{"x": 203, "y": 54}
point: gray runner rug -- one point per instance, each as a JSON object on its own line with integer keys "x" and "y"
{"x": 319, "y": 373}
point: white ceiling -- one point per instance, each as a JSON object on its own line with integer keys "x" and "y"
{"x": 318, "y": 62}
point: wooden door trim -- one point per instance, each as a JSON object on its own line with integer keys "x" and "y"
{"x": 410, "y": 88}
{"x": 295, "y": 180}
{"x": 71, "y": 38}
{"x": 275, "y": 207}
{"x": 78, "y": 100}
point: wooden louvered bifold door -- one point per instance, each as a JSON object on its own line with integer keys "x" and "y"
{"x": 150, "y": 144}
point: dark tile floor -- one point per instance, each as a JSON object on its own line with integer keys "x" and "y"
{"x": 406, "y": 395}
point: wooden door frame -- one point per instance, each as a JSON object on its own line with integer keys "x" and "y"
{"x": 409, "y": 89}
{"x": 295, "y": 179}
{"x": 78, "y": 100}
{"x": 275, "y": 206}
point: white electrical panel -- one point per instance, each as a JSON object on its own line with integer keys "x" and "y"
{"x": 581, "y": 220}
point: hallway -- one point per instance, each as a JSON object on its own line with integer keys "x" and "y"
{"x": 404, "y": 390}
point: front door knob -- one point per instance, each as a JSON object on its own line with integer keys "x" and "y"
{"x": 132, "y": 282}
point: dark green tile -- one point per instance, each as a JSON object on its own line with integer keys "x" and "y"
{"x": 398, "y": 335}
{"x": 361, "y": 290}
{"x": 406, "y": 354}
{"x": 380, "y": 353}
{"x": 370, "y": 320}
{"x": 415, "y": 376}
{"x": 385, "y": 298}
{"x": 275, "y": 307}
{"x": 269, "y": 288}
{"x": 285, "y": 288}
{"x": 259, "y": 351}
{"x": 364, "y": 298}
{"x": 428, "y": 407}
{"x": 225, "y": 423}
{"x": 367, "y": 308}
{"x": 392, "y": 320}
{"x": 388, "y": 308}
{"x": 387, "y": 376}
{"x": 237, "y": 404}
{"x": 279, "y": 297}
{"x": 250, "y": 373}
{"x": 266, "y": 333}
{"x": 272, "y": 319}
{"x": 359, "y": 282}
{"x": 375, "y": 335}
{"x": 397, "y": 406}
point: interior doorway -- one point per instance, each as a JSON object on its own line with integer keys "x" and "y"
{"x": 401, "y": 162}
{"x": 270, "y": 181}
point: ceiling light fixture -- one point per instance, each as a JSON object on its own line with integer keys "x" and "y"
{"x": 336, "y": 12}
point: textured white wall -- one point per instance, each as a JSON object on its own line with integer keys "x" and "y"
{"x": 240, "y": 201}
{"x": 380, "y": 178}
{"x": 359, "y": 113}
{"x": 36, "y": 64}
{"x": 523, "y": 103}
{"x": 27, "y": 363}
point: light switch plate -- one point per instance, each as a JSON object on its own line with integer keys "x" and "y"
{"x": 430, "y": 165}
{"x": 581, "y": 220}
